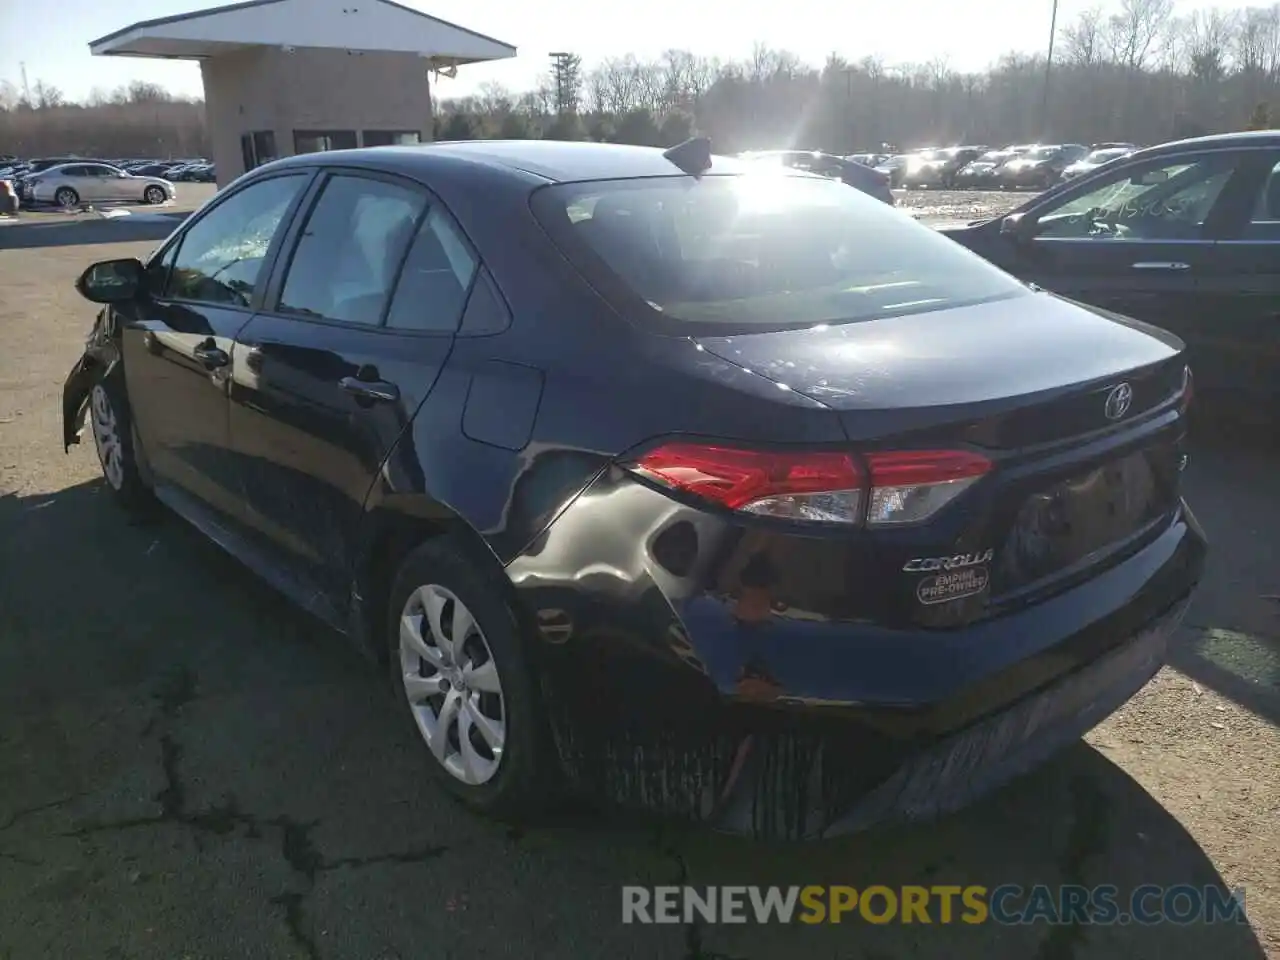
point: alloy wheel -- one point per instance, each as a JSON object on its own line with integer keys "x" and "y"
{"x": 154, "y": 195}
{"x": 451, "y": 681}
{"x": 106, "y": 436}
{"x": 66, "y": 197}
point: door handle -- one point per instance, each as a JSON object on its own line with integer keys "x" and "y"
{"x": 209, "y": 356}
{"x": 1161, "y": 265}
{"x": 370, "y": 389}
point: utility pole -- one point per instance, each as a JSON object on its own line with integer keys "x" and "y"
{"x": 565, "y": 74}
{"x": 850, "y": 134}
{"x": 26, "y": 87}
{"x": 1048, "y": 71}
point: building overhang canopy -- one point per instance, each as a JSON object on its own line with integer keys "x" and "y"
{"x": 381, "y": 26}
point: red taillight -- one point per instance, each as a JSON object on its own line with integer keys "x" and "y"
{"x": 824, "y": 487}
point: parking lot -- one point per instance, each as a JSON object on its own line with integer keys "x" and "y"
{"x": 191, "y": 768}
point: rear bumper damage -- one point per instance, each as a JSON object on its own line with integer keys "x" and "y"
{"x": 673, "y": 687}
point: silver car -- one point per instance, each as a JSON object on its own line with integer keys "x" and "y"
{"x": 70, "y": 184}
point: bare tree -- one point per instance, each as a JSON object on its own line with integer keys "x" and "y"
{"x": 1082, "y": 41}
{"x": 1136, "y": 30}
{"x": 45, "y": 96}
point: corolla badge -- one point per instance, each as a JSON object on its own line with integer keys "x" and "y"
{"x": 1118, "y": 401}
{"x": 926, "y": 564}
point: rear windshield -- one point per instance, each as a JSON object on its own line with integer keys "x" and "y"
{"x": 762, "y": 250}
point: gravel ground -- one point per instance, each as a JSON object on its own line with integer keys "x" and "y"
{"x": 189, "y": 768}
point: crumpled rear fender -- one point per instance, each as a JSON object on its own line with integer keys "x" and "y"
{"x": 100, "y": 357}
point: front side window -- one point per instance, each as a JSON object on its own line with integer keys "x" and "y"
{"x": 350, "y": 250}
{"x": 1170, "y": 200}
{"x": 763, "y": 250}
{"x": 221, "y": 255}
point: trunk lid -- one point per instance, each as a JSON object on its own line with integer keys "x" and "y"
{"x": 1034, "y": 383}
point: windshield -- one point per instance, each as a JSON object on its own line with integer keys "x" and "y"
{"x": 994, "y": 156}
{"x": 1043, "y": 153}
{"x": 762, "y": 250}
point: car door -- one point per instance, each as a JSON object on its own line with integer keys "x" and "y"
{"x": 1235, "y": 342}
{"x": 362, "y": 318}
{"x": 99, "y": 183}
{"x": 203, "y": 286}
{"x": 1137, "y": 239}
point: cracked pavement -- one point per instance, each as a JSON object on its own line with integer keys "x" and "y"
{"x": 190, "y": 768}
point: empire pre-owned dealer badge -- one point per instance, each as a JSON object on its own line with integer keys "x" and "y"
{"x": 954, "y": 585}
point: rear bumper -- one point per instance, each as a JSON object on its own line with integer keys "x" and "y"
{"x": 674, "y": 683}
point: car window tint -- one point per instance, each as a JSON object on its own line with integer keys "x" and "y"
{"x": 1167, "y": 201}
{"x": 348, "y": 254}
{"x": 221, "y": 255}
{"x": 158, "y": 270}
{"x": 437, "y": 274}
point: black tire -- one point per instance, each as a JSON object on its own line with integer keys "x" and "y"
{"x": 154, "y": 195}
{"x": 519, "y": 788}
{"x": 66, "y": 197}
{"x": 127, "y": 479}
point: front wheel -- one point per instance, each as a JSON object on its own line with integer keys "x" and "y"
{"x": 66, "y": 197}
{"x": 459, "y": 665}
{"x": 116, "y": 442}
{"x": 154, "y": 195}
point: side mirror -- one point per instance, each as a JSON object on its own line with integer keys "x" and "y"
{"x": 112, "y": 281}
{"x": 1017, "y": 227}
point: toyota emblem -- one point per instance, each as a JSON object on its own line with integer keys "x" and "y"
{"x": 1118, "y": 401}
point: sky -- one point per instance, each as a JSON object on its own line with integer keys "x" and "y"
{"x": 968, "y": 33}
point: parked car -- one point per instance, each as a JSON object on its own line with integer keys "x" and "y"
{"x": 1041, "y": 166}
{"x": 1185, "y": 236}
{"x": 160, "y": 170}
{"x": 74, "y": 183}
{"x": 938, "y": 168}
{"x": 22, "y": 182}
{"x": 984, "y": 171}
{"x": 1094, "y": 160}
{"x": 892, "y": 168}
{"x": 824, "y": 164}
{"x": 512, "y": 416}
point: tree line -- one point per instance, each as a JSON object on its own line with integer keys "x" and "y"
{"x": 1137, "y": 71}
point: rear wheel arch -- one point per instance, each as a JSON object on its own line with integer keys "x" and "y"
{"x": 389, "y": 537}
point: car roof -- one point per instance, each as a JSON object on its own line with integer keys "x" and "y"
{"x": 1244, "y": 138}
{"x": 546, "y": 160}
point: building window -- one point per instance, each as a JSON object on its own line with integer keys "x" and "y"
{"x": 390, "y": 138}
{"x": 316, "y": 141}
{"x": 258, "y": 148}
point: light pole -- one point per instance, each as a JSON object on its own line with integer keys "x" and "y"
{"x": 1048, "y": 70}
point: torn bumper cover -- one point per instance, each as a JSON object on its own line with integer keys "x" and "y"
{"x": 99, "y": 358}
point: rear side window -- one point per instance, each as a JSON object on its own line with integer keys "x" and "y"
{"x": 221, "y": 255}
{"x": 762, "y": 250}
{"x": 436, "y": 277}
{"x": 349, "y": 251}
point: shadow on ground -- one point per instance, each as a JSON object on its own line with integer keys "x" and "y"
{"x": 31, "y": 231}
{"x": 191, "y": 768}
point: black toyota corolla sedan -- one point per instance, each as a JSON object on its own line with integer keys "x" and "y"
{"x": 732, "y": 494}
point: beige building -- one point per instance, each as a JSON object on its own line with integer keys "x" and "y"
{"x": 294, "y": 76}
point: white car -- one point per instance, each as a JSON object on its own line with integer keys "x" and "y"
{"x": 71, "y": 184}
{"x": 1094, "y": 160}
